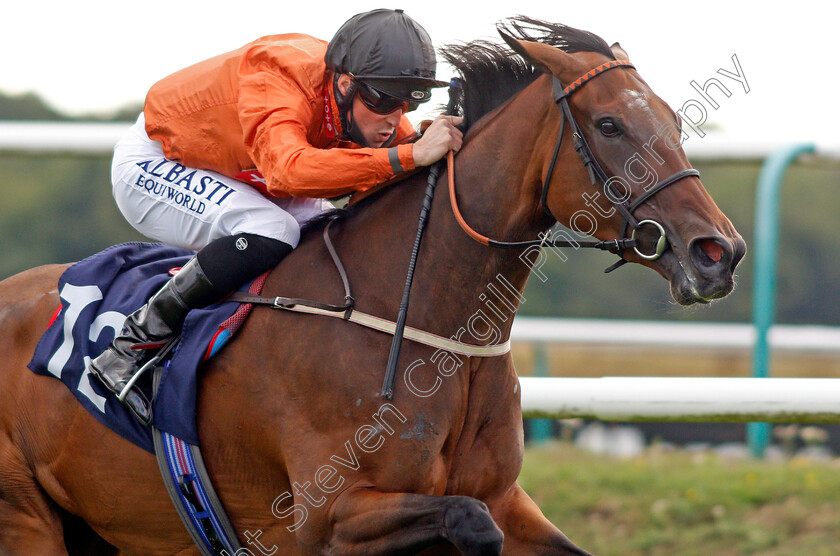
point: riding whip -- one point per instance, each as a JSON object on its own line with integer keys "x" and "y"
{"x": 396, "y": 344}
{"x": 455, "y": 95}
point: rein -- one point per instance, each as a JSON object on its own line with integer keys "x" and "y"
{"x": 611, "y": 245}
{"x": 596, "y": 174}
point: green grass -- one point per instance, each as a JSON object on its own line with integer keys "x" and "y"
{"x": 676, "y": 503}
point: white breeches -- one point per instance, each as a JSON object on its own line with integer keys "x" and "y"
{"x": 189, "y": 208}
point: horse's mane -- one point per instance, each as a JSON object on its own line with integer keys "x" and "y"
{"x": 488, "y": 74}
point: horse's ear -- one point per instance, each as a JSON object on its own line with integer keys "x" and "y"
{"x": 620, "y": 53}
{"x": 546, "y": 58}
{"x": 520, "y": 48}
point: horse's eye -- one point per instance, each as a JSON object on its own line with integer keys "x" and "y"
{"x": 608, "y": 127}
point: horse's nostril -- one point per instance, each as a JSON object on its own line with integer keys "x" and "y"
{"x": 707, "y": 251}
{"x": 711, "y": 248}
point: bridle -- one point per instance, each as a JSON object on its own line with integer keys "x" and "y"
{"x": 597, "y": 176}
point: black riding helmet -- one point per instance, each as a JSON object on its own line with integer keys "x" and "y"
{"x": 384, "y": 50}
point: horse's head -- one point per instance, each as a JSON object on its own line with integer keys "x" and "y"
{"x": 640, "y": 184}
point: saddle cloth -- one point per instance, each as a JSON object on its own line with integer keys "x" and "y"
{"x": 96, "y": 296}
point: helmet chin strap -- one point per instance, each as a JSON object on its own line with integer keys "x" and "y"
{"x": 351, "y": 131}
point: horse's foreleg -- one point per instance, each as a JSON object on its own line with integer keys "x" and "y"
{"x": 526, "y": 529}
{"x": 369, "y": 522}
{"x": 29, "y": 525}
{"x": 29, "y": 521}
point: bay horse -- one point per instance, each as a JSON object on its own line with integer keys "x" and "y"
{"x": 303, "y": 451}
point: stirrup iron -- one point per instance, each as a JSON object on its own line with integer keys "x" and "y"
{"x": 150, "y": 364}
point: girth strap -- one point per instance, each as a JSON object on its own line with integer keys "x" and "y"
{"x": 191, "y": 491}
{"x": 389, "y": 327}
{"x": 348, "y": 313}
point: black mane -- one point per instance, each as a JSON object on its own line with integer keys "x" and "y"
{"x": 488, "y": 74}
{"x": 567, "y": 39}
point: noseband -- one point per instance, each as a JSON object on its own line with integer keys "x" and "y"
{"x": 596, "y": 175}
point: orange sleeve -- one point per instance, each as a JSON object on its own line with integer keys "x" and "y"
{"x": 276, "y": 116}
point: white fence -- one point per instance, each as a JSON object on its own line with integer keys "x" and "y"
{"x": 60, "y": 137}
{"x": 673, "y": 334}
{"x": 782, "y": 400}
{"x": 680, "y": 398}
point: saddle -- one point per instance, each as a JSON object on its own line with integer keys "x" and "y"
{"x": 96, "y": 295}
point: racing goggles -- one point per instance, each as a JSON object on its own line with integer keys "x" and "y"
{"x": 381, "y": 103}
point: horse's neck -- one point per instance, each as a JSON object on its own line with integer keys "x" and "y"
{"x": 499, "y": 172}
{"x": 498, "y": 186}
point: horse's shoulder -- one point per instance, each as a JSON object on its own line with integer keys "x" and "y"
{"x": 36, "y": 280}
{"x": 31, "y": 293}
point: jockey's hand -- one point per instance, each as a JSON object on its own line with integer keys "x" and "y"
{"x": 440, "y": 138}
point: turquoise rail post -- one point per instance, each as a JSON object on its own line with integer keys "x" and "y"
{"x": 765, "y": 246}
{"x": 540, "y": 428}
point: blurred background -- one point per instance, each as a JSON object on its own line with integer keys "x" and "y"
{"x": 92, "y": 62}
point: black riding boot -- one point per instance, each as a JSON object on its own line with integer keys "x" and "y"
{"x": 218, "y": 269}
{"x": 158, "y": 320}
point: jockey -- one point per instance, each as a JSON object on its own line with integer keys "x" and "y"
{"x": 231, "y": 155}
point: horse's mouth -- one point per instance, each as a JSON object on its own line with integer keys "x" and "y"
{"x": 685, "y": 291}
{"x": 694, "y": 278}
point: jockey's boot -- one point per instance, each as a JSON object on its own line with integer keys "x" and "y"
{"x": 147, "y": 329}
